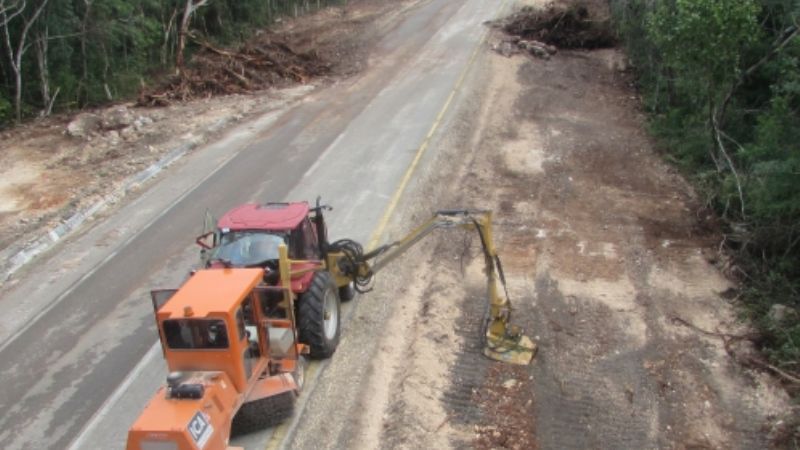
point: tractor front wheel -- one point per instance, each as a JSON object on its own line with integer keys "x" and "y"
{"x": 318, "y": 316}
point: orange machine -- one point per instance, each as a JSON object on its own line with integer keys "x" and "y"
{"x": 230, "y": 336}
{"x": 234, "y": 362}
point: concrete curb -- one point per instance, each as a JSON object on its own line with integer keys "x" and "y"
{"x": 16, "y": 257}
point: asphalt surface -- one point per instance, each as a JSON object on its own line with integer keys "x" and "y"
{"x": 77, "y": 361}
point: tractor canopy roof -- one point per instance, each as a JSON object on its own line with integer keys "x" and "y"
{"x": 272, "y": 216}
{"x": 211, "y": 292}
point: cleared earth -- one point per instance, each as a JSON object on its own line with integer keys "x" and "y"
{"x": 607, "y": 262}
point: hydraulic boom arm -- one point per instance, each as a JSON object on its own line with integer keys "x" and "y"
{"x": 504, "y": 342}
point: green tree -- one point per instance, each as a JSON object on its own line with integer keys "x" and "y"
{"x": 71, "y": 54}
{"x": 703, "y": 43}
{"x": 722, "y": 80}
{"x": 16, "y": 30}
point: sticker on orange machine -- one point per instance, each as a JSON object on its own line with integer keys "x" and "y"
{"x": 200, "y": 429}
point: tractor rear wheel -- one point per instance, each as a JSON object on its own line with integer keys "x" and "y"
{"x": 264, "y": 413}
{"x": 318, "y": 316}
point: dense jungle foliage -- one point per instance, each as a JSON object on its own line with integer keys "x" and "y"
{"x": 68, "y": 54}
{"x": 721, "y": 79}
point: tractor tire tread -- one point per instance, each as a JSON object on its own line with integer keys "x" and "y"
{"x": 310, "y": 317}
{"x": 264, "y": 413}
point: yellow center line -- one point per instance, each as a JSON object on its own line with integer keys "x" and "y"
{"x": 398, "y": 193}
{"x": 281, "y": 431}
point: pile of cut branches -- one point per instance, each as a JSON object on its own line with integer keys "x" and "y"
{"x": 570, "y": 26}
{"x": 259, "y": 64}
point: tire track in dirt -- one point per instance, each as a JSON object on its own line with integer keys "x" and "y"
{"x": 418, "y": 412}
{"x": 641, "y": 386}
{"x": 614, "y": 251}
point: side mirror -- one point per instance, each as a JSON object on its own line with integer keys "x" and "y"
{"x": 206, "y": 241}
{"x": 320, "y": 207}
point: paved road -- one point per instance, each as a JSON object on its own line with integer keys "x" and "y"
{"x": 351, "y": 143}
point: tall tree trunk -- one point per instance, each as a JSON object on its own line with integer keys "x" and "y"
{"x": 15, "y": 53}
{"x": 44, "y": 71}
{"x": 84, "y": 60}
{"x": 188, "y": 11}
{"x": 17, "y": 94}
{"x": 12, "y": 61}
{"x": 167, "y": 27}
{"x": 10, "y": 9}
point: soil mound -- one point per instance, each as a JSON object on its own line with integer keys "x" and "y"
{"x": 258, "y": 64}
{"x": 570, "y": 26}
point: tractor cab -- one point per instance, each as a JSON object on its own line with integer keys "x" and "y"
{"x": 202, "y": 325}
{"x": 230, "y": 345}
{"x": 249, "y": 235}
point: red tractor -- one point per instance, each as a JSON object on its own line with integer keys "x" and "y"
{"x": 249, "y": 236}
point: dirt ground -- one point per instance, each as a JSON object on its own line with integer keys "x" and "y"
{"x": 610, "y": 268}
{"x": 605, "y": 250}
{"x": 53, "y": 168}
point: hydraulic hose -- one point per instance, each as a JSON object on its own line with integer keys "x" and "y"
{"x": 349, "y": 265}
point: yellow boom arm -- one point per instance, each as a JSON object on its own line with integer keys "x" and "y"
{"x": 504, "y": 342}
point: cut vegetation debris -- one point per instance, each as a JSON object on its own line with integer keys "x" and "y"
{"x": 265, "y": 61}
{"x": 564, "y": 26}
